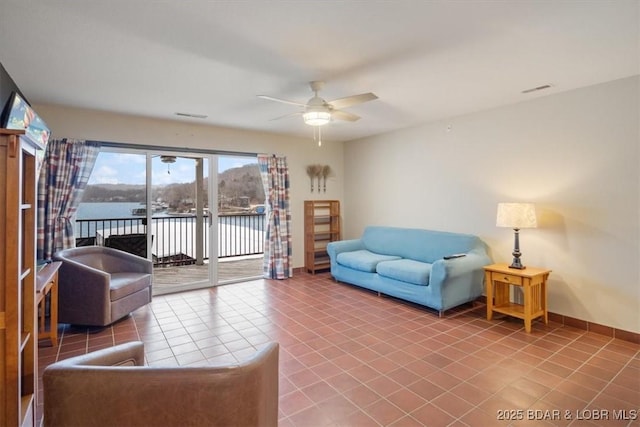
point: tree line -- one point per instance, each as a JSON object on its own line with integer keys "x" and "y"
{"x": 236, "y": 186}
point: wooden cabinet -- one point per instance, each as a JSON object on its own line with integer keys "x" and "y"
{"x": 18, "y": 325}
{"x": 321, "y": 226}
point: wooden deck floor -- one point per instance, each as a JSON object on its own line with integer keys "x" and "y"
{"x": 174, "y": 279}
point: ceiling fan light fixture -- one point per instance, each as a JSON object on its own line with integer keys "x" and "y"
{"x": 316, "y": 117}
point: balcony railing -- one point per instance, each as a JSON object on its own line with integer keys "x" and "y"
{"x": 174, "y": 238}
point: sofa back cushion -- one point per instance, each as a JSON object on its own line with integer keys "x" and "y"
{"x": 417, "y": 244}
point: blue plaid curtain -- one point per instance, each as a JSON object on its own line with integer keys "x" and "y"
{"x": 277, "y": 245}
{"x": 64, "y": 175}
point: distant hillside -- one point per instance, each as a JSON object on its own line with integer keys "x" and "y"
{"x": 114, "y": 193}
{"x": 234, "y": 185}
{"x": 239, "y": 182}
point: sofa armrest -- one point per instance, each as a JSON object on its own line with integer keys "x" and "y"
{"x": 334, "y": 248}
{"x": 466, "y": 271}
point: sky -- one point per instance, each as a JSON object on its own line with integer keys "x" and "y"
{"x": 127, "y": 168}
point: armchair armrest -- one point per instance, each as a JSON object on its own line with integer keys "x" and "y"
{"x": 85, "y": 291}
{"x": 90, "y": 280}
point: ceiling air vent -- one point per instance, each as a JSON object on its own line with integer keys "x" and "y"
{"x": 535, "y": 89}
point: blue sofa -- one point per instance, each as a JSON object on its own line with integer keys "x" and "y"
{"x": 408, "y": 264}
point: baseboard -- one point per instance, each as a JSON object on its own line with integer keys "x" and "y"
{"x": 589, "y": 326}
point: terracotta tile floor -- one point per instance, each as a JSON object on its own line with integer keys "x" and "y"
{"x": 351, "y": 358}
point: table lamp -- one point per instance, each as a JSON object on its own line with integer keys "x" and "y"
{"x": 516, "y": 216}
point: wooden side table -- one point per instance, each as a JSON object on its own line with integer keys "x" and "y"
{"x": 498, "y": 281}
{"x": 47, "y": 284}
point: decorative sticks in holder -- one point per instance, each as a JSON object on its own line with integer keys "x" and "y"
{"x": 312, "y": 171}
{"x": 320, "y": 174}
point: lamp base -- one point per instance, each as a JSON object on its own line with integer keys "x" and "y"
{"x": 516, "y": 252}
{"x": 517, "y": 266}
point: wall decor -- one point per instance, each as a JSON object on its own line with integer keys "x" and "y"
{"x": 326, "y": 171}
{"x": 319, "y": 174}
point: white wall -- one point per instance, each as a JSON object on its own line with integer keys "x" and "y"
{"x": 300, "y": 152}
{"x": 574, "y": 154}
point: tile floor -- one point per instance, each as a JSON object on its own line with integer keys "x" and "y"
{"x": 351, "y": 358}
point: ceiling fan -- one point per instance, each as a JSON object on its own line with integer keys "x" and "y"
{"x": 318, "y": 112}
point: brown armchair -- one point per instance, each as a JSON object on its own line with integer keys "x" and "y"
{"x": 99, "y": 285}
{"x": 110, "y": 388}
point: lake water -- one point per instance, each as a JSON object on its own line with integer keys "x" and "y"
{"x": 109, "y": 210}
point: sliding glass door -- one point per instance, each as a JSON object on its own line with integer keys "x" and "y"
{"x": 163, "y": 205}
{"x": 180, "y": 218}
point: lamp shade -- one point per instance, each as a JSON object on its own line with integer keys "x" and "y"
{"x": 516, "y": 215}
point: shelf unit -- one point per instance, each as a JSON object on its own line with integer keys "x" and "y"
{"x": 321, "y": 226}
{"x": 18, "y": 323}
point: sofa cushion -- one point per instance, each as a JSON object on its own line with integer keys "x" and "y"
{"x": 363, "y": 260}
{"x": 406, "y": 270}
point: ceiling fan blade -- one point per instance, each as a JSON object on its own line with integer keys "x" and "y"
{"x": 297, "y": 113}
{"x": 341, "y": 103}
{"x": 343, "y": 115}
{"x": 284, "y": 101}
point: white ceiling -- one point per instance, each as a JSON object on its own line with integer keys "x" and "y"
{"x": 426, "y": 60}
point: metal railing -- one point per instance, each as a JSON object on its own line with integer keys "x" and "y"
{"x": 174, "y": 238}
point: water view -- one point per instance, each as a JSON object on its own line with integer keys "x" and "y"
{"x": 106, "y": 210}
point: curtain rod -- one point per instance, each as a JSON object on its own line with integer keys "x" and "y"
{"x": 171, "y": 149}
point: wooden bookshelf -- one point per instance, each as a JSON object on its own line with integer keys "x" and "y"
{"x": 321, "y": 226}
{"x": 18, "y": 323}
